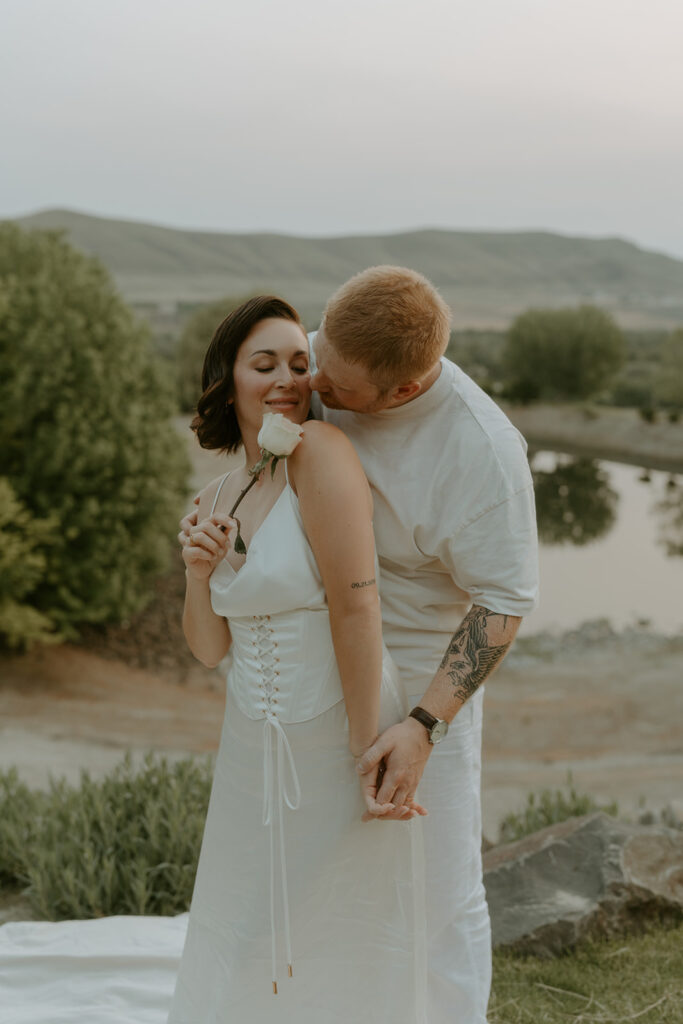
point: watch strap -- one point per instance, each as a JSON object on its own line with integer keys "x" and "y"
{"x": 429, "y": 721}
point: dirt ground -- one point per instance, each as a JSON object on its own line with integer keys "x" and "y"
{"x": 608, "y": 707}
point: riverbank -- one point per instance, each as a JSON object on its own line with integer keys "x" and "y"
{"x": 617, "y": 435}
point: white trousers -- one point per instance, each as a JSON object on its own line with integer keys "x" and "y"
{"x": 458, "y": 927}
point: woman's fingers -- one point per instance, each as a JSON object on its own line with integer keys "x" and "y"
{"x": 224, "y": 523}
{"x": 188, "y": 522}
{"x": 202, "y": 539}
{"x": 209, "y": 535}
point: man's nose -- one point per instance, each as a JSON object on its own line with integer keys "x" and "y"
{"x": 316, "y": 381}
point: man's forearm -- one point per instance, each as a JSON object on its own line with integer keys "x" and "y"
{"x": 479, "y": 644}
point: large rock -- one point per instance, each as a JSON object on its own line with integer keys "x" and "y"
{"x": 583, "y": 878}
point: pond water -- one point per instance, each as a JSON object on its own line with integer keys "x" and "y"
{"x": 611, "y": 544}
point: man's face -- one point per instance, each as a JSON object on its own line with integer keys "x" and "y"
{"x": 343, "y": 385}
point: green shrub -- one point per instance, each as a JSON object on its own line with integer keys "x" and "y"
{"x": 21, "y": 569}
{"x": 633, "y": 386}
{"x": 85, "y": 431}
{"x": 126, "y": 845}
{"x": 547, "y": 808}
{"x": 648, "y": 413}
{"x": 669, "y": 383}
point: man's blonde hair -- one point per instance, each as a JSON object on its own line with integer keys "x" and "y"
{"x": 392, "y": 321}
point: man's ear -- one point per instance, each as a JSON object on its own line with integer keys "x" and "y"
{"x": 402, "y": 392}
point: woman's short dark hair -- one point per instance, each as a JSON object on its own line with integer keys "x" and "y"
{"x": 215, "y": 422}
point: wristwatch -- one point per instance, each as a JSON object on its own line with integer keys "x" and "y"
{"x": 436, "y": 727}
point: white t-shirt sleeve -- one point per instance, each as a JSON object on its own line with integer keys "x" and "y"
{"x": 494, "y": 558}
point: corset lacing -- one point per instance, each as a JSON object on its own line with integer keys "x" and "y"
{"x": 266, "y": 654}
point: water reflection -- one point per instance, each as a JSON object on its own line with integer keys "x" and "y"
{"x": 575, "y": 503}
{"x": 669, "y": 513}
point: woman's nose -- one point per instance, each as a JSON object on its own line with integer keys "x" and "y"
{"x": 285, "y": 376}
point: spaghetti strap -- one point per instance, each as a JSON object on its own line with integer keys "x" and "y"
{"x": 220, "y": 488}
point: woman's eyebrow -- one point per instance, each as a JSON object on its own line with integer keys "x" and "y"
{"x": 270, "y": 352}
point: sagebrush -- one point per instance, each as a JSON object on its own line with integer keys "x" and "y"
{"x": 548, "y": 807}
{"x": 127, "y": 844}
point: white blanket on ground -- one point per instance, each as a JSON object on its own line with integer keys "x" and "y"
{"x": 115, "y": 970}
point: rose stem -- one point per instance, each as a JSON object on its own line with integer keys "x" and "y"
{"x": 248, "y": 487}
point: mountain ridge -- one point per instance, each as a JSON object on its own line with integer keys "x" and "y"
{"x": 486, "y": 276}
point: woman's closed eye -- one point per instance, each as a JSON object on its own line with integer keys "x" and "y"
{"x": 269, "y": 369}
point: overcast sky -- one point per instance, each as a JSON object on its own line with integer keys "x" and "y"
{"x": 319, "y": 117}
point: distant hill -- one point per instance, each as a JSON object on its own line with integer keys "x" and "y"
{"x": 487, "y": 277}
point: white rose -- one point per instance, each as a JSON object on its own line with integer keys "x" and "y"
{"x": 278, "y": 435}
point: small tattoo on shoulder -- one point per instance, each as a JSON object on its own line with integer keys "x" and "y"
{"x": 363, "y": 583}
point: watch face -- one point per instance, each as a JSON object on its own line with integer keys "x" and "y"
{"x": 439, "y": 731}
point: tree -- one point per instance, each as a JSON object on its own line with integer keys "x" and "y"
{"x": 85, "y": 431}
{"x": 562, "y": 353}
{"x": 669, "y": 382}
{"x": 21, "y": 569}
{"x": 193, "y": 344}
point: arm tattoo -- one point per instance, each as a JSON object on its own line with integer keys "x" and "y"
{"x": 363, "y": 583}
{"x": 471, "y": 656}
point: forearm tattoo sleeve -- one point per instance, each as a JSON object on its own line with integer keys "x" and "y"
{"x": 472, "y": 653}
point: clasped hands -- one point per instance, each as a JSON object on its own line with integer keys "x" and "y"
{"x": 390, "y": 770}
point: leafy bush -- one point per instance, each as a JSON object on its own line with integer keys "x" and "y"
{"x": 669, "y": 383}
{"x": 126, "y": 845}
{"x": 563, "y": 353}
{"x": 547, "y": 808}
{"x": 85, "y": 431}
{"x": 634, "y": 385}
{"x": 21, "y": 569}
{"x": 193, "y": 344}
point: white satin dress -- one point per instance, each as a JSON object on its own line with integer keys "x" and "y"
{"x": 301, "y": 913}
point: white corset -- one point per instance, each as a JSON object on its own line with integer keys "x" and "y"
{"x": 285, "y": 664}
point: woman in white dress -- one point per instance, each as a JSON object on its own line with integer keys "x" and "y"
{"x": 301, "y": 912}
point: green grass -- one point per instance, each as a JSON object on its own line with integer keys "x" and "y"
{"x": 620, "y": 980}
{"x": 128, "y": 844}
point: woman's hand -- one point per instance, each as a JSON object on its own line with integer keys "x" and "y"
{"x": 188, "y": 522}
{"x": 208, "y": 544}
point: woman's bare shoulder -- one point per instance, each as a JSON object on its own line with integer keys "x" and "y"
{"x": 320, "y": 438}
{"x": 327, "y": 460}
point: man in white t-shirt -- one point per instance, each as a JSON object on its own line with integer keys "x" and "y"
{"x": 455, "y": 532}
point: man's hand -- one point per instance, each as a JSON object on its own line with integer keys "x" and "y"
{"x": 402, "y": 750}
